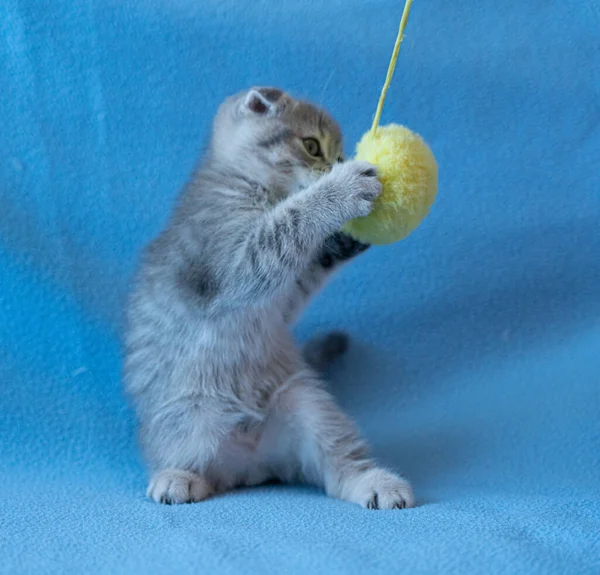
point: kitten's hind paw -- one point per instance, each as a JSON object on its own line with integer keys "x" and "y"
{"x": 379, "y": 489}
{"x": 172, "y": 486}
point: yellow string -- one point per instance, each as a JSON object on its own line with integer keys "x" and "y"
{"x": 391, "y": 67}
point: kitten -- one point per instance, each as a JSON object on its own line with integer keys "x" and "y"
{"x": 223, "y": 395}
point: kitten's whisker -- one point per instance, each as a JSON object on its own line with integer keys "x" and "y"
{"x": 325, "y": 86}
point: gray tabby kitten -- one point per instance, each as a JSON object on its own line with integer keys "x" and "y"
{"x": 223, "y": 395}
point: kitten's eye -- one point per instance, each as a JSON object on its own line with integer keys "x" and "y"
{"x": 312, "y": 147}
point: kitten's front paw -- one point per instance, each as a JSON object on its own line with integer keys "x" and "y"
{"x": 355, "y": 186}
{"x": 172, "y": 486}
{"x": 379, "y": 489}
{"x": 340, "y": 247}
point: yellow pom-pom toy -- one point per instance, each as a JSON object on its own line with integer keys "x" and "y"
{"x": 408, "y": 173}
{"x": 407, "y": 170}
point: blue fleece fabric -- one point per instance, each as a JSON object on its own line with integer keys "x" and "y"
{"x": 475, "y": 362}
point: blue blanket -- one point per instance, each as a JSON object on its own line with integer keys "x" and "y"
{"x": 475, "y": 364}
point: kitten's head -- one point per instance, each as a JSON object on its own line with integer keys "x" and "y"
{"x": 289, "y": 135}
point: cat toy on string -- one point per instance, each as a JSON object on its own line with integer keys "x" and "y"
{"x": 406, "y": 168}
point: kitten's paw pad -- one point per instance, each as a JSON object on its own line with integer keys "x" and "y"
{"x": 174, "y": 486}
{"x": 380, "y": 489}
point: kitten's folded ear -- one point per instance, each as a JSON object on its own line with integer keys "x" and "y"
{"x": 263, "y": 101}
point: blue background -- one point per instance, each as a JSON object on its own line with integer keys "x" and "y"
{"x": 475, "y": 367}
